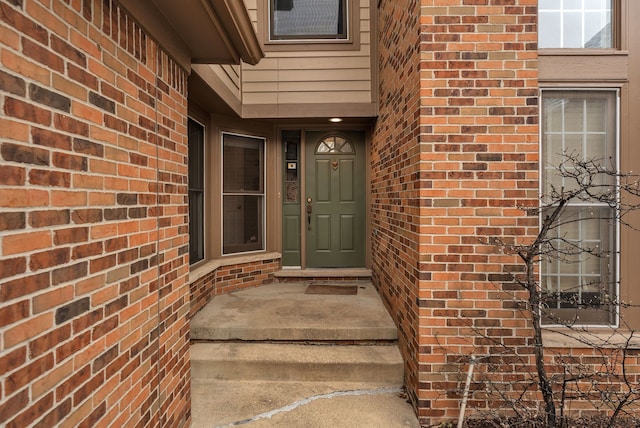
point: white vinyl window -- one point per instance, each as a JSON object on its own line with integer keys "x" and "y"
{"x": 243, "y": 196}
{"x": 575, "y": 24}
{"x": 580, "y": 278}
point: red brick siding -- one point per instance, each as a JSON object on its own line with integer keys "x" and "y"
{"x": 455, "y": 153}
{"x": 396, "y": 178}
{"x": 597, "y": 381}
{"x": 94, "y": 297}
{"x": 454, "y": 157}
{"x": 226, "y": 279}
{"x": 479, "y": 146}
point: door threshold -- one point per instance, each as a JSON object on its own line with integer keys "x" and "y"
{"x": 289, "y": 272}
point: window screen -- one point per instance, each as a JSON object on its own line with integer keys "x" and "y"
{"x": 308, "y": 19}
{"x": 242, "y": 193}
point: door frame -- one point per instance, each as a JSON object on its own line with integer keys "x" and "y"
{"x": 365, "y": 129}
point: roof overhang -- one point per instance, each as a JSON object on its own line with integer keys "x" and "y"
{"x": 199, "y": 31}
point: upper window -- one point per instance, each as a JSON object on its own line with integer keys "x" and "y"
{"x": 575, "y": 24}
{"x": 308, "y": 19}
{"x": 242, "y": 193}
{"x": 196, "y": 191}
{"x": 579, "y": 272}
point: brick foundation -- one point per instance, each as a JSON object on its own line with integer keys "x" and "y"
{"x": 227, "y": 278}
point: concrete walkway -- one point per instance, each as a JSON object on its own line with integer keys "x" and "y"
{"x": 274, "y": 356}
{"x": 253, "y": 404}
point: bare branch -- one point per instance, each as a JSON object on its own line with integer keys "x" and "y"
{"x": 580, "y": 190}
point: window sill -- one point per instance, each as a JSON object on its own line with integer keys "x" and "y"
{"x": 209, "y": 266}
{"x": 582, "y": 52}
{"x": 600, "y": 337}
{"x": 310, "y": 45}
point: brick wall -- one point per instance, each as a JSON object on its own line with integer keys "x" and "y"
{"x": 599, "y": 378}
{"x": 454, "y": 160}
{"x": 93, "y": 220}
{"x": 479, "y": 144}
{"x": 455, "y": 154}
{"x": 226, "y": 279}
{"x": 396, "y": 179}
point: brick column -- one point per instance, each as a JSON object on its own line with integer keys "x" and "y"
{"x": 454, "y": 153}
{"x": 397, "y": 179}
{"x": 479, "y": 153}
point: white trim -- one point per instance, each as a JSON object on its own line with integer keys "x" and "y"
{"x": 606, "y": 337}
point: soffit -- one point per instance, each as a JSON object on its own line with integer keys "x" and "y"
{"x": 199, "y": 31}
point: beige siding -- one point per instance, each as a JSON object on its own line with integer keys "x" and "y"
{"x": 252, "y": 7}
{"x": 309, "y": 76}
{"x": 224, "y": 80}
{"x": 229, "y": 76}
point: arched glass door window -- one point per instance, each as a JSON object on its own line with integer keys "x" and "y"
{"x": 335, "y": 144}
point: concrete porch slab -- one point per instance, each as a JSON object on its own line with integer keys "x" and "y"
{"x": 284, "y": 312}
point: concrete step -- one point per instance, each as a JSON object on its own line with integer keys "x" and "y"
{"x": 277, "y": 356}
{"x": 297, "y": 362}
{"x": 283, "y": 312}
{"x": 223, "y": 403}
{"x": 318, "y": 274}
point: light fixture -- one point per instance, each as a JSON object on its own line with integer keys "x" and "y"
{"x": 335, "y": 119}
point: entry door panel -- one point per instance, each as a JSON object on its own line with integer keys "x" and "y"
{"x": 336, "y": 188}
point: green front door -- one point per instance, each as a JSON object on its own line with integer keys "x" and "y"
{"x": 335, "y": 199}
